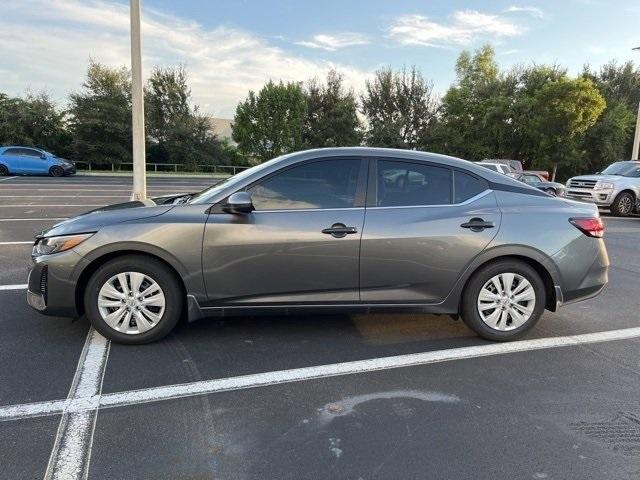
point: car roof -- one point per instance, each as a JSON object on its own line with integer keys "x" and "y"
{"x": 4, "y": 147}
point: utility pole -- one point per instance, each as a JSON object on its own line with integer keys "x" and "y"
{"x": 137, "y": 103}
{"x": 636, "y": 137}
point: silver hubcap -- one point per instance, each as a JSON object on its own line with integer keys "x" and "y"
{"x": 506, "y": 301}
{"x": 624, "y": 205}
{"x": 131, "y": 302}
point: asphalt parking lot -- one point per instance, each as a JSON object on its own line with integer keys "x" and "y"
{"x": 319, "y": 397}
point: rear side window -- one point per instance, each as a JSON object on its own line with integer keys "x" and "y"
{"x": 322, "y": 184}
{"x": 12, "y": 151}
{"x": 408, "y": 184}
{"x": 467, "y": 186}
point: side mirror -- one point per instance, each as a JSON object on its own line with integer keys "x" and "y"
{"x": 239, "y": 202}
{"x": 43, "y": 156}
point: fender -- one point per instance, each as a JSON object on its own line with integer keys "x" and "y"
{"x": 451, "y": 303}
{"x": 193, "y": 281}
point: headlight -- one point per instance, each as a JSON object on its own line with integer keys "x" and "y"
{"x": 604, "y": 186}
{"x": 49, "y": 245}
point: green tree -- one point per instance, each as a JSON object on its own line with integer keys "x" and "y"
{"x": 270, "y": 123}
{"x": 610, "y": 139}
{"x": 476, "y": 120}
{"x": 399, "y": 107}
{"x": 332, "y": 114}
{"x": 177, "y": 132}
{"x": 33, "y": 121}
{"x": 101, "y": 116}
{"x": 561, "y": 112}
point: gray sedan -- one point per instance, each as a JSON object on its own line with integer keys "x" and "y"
{"x": 344, "y": 229}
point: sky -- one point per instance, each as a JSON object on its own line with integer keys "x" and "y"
{"x": 232, "y": 46}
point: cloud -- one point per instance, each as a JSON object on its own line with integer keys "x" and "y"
{"x": 533, "y": 11}
{"x": 334, "y": 42}
{"x": 464, "y": 27}
{"x": 46, "y": 44}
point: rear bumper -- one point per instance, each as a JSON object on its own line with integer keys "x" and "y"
{"x": 587, "y": 283}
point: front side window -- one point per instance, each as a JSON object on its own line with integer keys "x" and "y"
{"x": 467, "y": 186}
{"x": 27, "y": 152}
{"x": 409, "y": 184}
{"x": 322, "y": 184}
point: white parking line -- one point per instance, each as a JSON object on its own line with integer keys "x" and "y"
{"x": 22, "y": 286}
{"x": 70, "y": 455}
{"x": 148, "y": 395}
{"x": 30, "y": 242}
{"x": 6, "y": 178}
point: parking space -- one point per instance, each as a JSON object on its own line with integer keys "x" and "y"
{"x": 269, "y": 398}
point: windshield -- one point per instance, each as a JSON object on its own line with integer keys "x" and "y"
{"x": 624, "y": 169}
{"x": 205, "y": 195}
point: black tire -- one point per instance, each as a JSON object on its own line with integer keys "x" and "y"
{"x": 160, "y": 273}
{"x": 470, "y": 311}
{"x": 623, "y": 204}
{"x": 4, "y": 171}
{"x": 56, "y": 171}
{"x": 551, "y": 191}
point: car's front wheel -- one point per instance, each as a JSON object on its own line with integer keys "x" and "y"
{"x": 133, "y": 300}
{"x": 503, "y": 300}
{"x": 622, "y": 205}
{"x": 56, "y": 171}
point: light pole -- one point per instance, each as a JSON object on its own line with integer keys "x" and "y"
{"x": 137, "y": 104}
{"x": 636, "y": 137}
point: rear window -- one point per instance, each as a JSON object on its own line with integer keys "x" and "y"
{"x": 467, "y": 186}
{"x": 410, "y": 184}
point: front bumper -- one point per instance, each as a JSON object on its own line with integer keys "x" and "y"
{"x": 602, "y": 198}
{"x": 52, "y": 287}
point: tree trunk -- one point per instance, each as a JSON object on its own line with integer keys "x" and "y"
{"x": 555, "y": 169}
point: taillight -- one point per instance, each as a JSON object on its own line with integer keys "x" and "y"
{"x": 591, "y": 227}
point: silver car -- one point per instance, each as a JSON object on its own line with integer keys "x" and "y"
{"x": 617, "y": 187}
{"x": 330, "y": 230}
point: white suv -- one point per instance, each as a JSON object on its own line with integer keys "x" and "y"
{"x": 617, "y": 187}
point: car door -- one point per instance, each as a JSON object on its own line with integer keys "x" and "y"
{"x": 420, "y": 233}
{"x": 14, "y": 161}
{"x": 31, "y": 161}
{"x": 301, "y": 244}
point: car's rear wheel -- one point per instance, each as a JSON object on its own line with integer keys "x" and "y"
{"x": 4, "y": 171}
{"x": 56, "y": 171}
{"x": 133, "y": 300}
{"x": 622, "y": 205}
{"x": 503, "y": 300}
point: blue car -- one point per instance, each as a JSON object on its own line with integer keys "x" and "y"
{"x": 33, "y": 161}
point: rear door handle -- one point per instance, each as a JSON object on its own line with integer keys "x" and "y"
{"x": 477, "y": 224}
{"x": 339, "y": 230}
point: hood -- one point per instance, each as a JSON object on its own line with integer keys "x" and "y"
{"x": 111, "y": 214}
{"x": 597, "y": 177}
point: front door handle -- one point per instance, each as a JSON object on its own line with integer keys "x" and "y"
{"x": 477, "y": 224}
{"x": 339, "y": 230}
